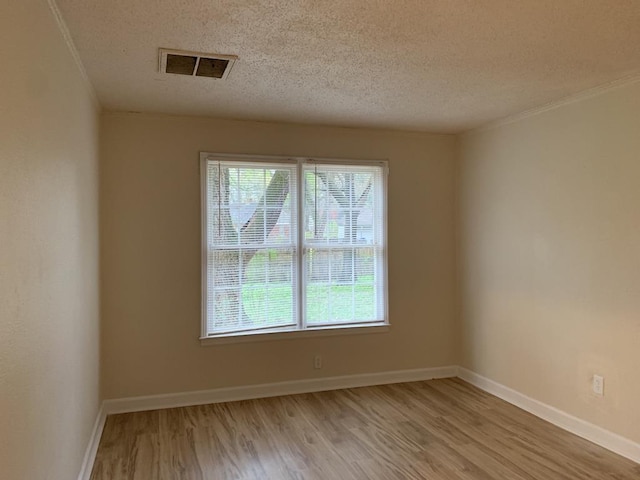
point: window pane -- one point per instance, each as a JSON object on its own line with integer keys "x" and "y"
{"x": 340, "y": 205}
{"x": 251, "y": 234}
{"x": 341, "y": 286}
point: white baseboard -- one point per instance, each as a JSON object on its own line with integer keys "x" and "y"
{"x": 609, "y": 440}
{"x": 218, "y": 395}
{"x": 92, "y": 447}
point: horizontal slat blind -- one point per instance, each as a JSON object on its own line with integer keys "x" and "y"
{"x": 251, "y": 232}
{"x": 344, "y": 244}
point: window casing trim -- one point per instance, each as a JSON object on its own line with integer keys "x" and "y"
{"x": 300, "y": 326}
{"x": 284, "y": 334}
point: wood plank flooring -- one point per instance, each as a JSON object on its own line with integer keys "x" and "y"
{"x": 436, "y": 430}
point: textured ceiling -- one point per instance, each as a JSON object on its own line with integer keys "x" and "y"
{"x": 438, "y": 65}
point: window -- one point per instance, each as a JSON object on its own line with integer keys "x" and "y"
{"x": 291, "y": 245}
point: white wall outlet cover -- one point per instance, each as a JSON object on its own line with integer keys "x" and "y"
{"x": 598, "y": 385}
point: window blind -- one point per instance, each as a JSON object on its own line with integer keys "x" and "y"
{"x": 251, "y": 246}
{"x": 343, "y": 244}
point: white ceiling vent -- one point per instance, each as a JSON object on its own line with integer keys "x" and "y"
{"x": 196, "y": 64}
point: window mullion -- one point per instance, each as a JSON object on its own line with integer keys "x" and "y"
{"x": 301, "y": 249}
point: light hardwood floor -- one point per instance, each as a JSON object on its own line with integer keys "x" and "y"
{"x": 440, "y": 429}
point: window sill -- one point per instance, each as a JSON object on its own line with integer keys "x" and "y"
{"x": 292, "y": 334}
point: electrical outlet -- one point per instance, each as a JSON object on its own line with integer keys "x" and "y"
{"x": 317, "y": 362}
{"x": 597, "y": 384}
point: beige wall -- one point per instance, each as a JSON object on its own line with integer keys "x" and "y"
{"x": 151, "y": 255}
{"x": 550, "y": 256}
{"x": 49, "y": 332}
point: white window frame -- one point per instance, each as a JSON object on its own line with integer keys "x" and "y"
{"x": 301, "y": 329}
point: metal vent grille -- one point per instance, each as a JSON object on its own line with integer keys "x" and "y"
{"x": 196, "y": 64}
